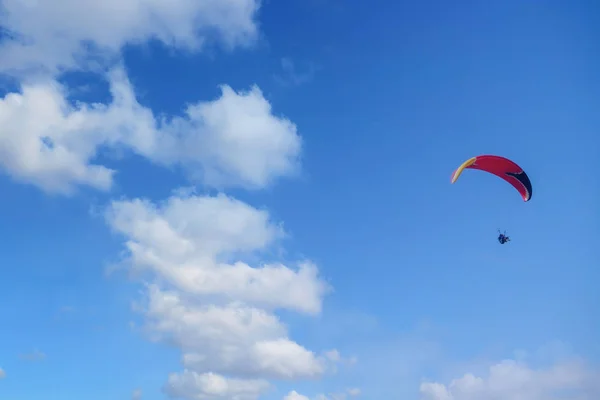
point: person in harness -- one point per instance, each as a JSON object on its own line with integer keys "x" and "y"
{"x": 502, "y": 238}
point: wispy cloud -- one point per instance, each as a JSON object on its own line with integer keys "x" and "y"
{"x": 64, "y": 311}
{"x": 136, "y": 395}
{"x": 290, "y": 75}
{"x": 35, "y": 355}
{"x": 67, "y": 309}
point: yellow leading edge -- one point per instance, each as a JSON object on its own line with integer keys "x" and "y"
{"x": 462, "y": 167}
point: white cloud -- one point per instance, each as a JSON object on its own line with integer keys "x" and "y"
{"x": 183, "y": 240}
{"x": 230, "y": 339}
{"x": 353, "y": 392}
{"x": 2, "y": 374}
{"x": 219, "y": 314}
{"x": 201, "y": 295}
{"x": 512, "y": 380}
{"x": 209, "y": 386}
{"x": 238, "y": 140}
{"x": 66, "y": 33}
{"x": 233, "y": 140}
{"x": 293, "y": 395}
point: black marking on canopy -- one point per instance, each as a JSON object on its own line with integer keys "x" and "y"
{"x": 524, "y": 180}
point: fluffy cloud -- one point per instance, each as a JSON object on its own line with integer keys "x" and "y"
{"x": 219, "y": 312}
{"x": 201, "y": 293}
{"x": 233, "y": 140}
{"x": 238, "y": 140}
{"x": 353, "y": 392}
{"x": 293, "y": 395}
{"x": 185, "y": 239}
{"x": 512, "y": 380}
{"x": 231, "y": 339}
{"x": 209, "y": 386}
{"x": 66, "y": 33}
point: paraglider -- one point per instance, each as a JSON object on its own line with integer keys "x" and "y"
{"x": 502, "y": 238}
{"x": 504, "y": 169}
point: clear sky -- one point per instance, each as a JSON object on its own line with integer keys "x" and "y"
{"x": 236, "y": 201}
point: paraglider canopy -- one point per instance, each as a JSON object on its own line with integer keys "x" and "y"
{"x": 502, "y": 168}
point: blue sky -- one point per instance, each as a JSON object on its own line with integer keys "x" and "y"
{"x": 388, "y": 98}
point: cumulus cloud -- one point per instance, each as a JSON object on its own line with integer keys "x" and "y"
{"x": 352, "y": 392}
{"x": 230, "y": 339}
{"x": 512, "y": 380}
{"x": 219, "y": 312}
{"x": 237, "y": 140}
{"x": 65, "y": 33}
{"x": 233, "y": 140}
{"x": 293, "y": 395}
{"x": 200, "y": 292}
{"x": 210, "y": 386}
{"x": 184, "y": 239}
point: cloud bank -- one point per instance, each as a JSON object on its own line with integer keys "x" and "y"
{"x": 188, "y": 252}
{"x": 514, "y": 380}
